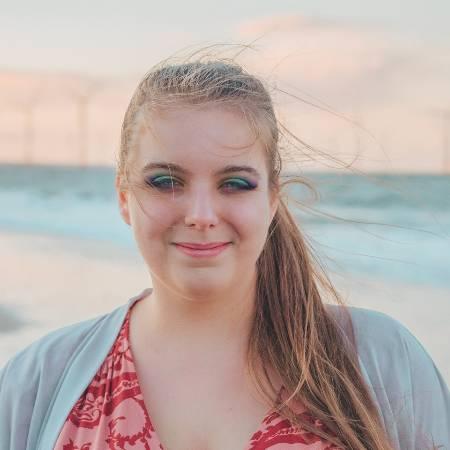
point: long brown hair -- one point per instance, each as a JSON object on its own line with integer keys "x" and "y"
{"x": 293, "y": 331}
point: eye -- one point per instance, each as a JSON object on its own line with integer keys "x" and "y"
{"x": 238, "y": 184}
{"x": 168, "y": 183}
{"x": 163, "y": 182}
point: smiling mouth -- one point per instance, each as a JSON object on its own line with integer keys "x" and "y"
{"x": 201, "y": 246}
{"x": 202, "y": 251}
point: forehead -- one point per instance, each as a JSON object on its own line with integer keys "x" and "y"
{"x": 197, "y": 137}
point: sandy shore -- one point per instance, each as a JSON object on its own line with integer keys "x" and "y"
{"x": 49, "y": 282}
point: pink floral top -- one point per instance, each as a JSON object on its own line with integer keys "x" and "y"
{"x": 111, "y": 413}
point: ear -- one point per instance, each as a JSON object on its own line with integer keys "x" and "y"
{"x": 122, "y": 197}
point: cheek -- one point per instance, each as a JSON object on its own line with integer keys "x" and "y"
{"x": 150, "y": 221}
{"x": 150, "y": 228}
{"x": 251, "y": 220}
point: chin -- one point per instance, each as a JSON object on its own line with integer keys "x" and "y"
{"x": 201, "y": 287}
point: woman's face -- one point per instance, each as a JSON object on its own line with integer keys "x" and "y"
{"x": 198, "y": 176}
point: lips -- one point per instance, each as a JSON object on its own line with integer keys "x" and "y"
{"x": 204, "y": 250}
{"x": 203, "y": 246}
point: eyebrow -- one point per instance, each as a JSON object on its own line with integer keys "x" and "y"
{"x": 176, "y": 168}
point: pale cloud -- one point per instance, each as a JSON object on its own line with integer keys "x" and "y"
{"x": 337, "y": 59}
{"x": 317, "y": 51}
{"x": 389, "y": 83}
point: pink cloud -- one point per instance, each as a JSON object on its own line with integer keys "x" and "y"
{"x": 386, "y": 80}
{"x": 315, "y": 51}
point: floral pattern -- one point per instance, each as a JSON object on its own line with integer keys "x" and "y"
{"x": 111, "y": 413}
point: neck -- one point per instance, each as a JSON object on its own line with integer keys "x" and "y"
{"x": 216, "y": 325}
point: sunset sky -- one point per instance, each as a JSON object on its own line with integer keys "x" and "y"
{"x": 107, "y": 36}
{"x": 384, "y": 64}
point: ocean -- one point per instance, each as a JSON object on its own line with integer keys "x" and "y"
{"x": 392, "y": 227}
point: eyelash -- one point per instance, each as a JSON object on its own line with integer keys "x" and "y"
{"x": 242, "y": 185}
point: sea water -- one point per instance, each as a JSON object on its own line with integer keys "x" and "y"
{"x": 393, "y": 227}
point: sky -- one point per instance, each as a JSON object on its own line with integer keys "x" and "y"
{"x": 384, "y": 64}
{"x": 107, "y": 37}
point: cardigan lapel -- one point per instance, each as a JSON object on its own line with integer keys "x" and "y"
{"x": 80, "y": 370}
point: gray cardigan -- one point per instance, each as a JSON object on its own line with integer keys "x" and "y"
{"x": 41, "y": 383}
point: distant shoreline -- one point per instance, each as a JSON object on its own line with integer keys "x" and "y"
{"x": 106, "y": 167}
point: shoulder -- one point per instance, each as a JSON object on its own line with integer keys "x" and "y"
{"x": 388, "y": 350}
{"x": 412, "y": 395}
{"x": 383, "y": 346}
{"x": 29, "y": 380}
{"x": 52, "y": 351}
{"x": 51, "y": 348}
{"x": 42, "y": 380}
{"x": 33, "y": 373}
{"x": 377, "y": 334}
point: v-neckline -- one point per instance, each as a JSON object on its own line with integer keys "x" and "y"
{"x": 248, "y": 444}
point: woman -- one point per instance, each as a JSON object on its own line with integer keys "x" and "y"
{"x": 234, "y": 346}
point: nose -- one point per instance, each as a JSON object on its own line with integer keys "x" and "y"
{"x": 201, "y": 209}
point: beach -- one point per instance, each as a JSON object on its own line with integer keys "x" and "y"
{"x": 51, "y": 281}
